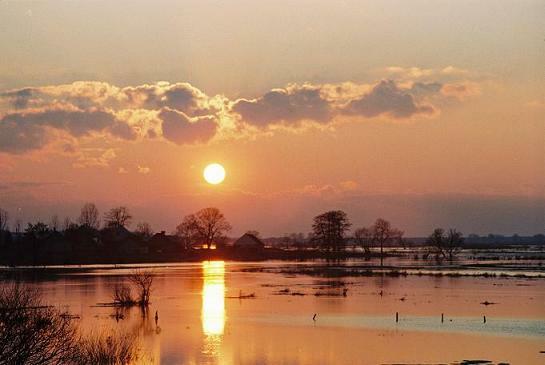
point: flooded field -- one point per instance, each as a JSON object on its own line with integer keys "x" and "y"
{"x": 262, "y": 313}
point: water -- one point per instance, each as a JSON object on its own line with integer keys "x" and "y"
{"x": 201, "y": 323}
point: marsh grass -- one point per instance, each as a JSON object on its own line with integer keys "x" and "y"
{"x": 109, "y": 348}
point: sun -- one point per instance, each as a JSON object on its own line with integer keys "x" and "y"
{"x": 214, "y": 173}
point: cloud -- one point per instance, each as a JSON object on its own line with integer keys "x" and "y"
{"x": 425, "y": 88}
{"x": 387, "y": 98}
{"x": 179, "y": 96}
{"x": 419, "y": 73}
{"x": 143, "y": 170}
{"x": 31, "y": 184}
{"x": 537, "y": 103}
{"x": 34, "y": 117}
{"x": 291, "y": 105}
{"x": 461, "y": 90}
{"x": 19, "y": 137}
{"x": 94, "y": 157}
{"x": 19, "y": 98}
{"x": 28, "y": 130}
{"x": 180, "y": 129}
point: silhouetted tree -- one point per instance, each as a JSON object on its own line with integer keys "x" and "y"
{"x": 144, "y": 230}
{"x": 4, "y": 219}
{"x": 67, "y": 224}
{"x": 364, "y": 238}
{"x": 143, "y": 280}
{"x": 384, "y": 234}
{"x": 290, "y": 240}
{"x": 446, "y": 245}
{"x": 117, "y": 217}
{"x": 89, "y": 216}
{"x": 54, "y": 223}
{"x": 38, "y": 231}
{"x": 330, "y": 228}
{"x": 18, "y": 225}
{"x": 188, "y": 231}
{"x": 208, "y": 226}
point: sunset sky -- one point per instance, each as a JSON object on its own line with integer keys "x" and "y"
{"x": 426, "y": 113}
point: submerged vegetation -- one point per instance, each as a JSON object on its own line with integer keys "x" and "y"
{"x": 143, "y": 281}
{"x": 339, "y": 271}
{"x": 32, "y": 332}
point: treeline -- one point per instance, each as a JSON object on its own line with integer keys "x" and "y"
{"x": 331, "y": 229}
{"x": 90, "y": 239}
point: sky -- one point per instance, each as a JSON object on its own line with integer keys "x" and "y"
{"x": 426, "y": 113}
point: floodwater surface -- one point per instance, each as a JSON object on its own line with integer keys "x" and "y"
{"x": 202, "y": 320}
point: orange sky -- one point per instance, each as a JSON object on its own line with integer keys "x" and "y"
{"x": 428, "y": 115}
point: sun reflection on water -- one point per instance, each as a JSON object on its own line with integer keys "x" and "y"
{"x": 213, "y": 298}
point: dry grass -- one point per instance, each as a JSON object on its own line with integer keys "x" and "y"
{"x": 108, "y": 349}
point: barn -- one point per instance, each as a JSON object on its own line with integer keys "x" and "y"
{"x": 249, "y": 242}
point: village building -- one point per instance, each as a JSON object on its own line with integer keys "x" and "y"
{"x": 249, "y": 242}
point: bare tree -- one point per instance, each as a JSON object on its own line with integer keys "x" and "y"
{"x": 67, "y": 224}
{"x": 144, "y": 229}
{"x": 446, "y": 245}
{"x": 364, "y": 239}
{"x": 117, "y": 217}
{"x": 122, "y": 296}
{"x": 54, "y": 223}
{"x": 32, "y": 333}
{"x": 143, "y": 280}
{"x": 4, "y": 219}
{"x": 18, "y": 225}
{"x": 208, "y": 226}
{"x": 384, "y": 234}
{"x": 89, "y": 216}
{"x": 330, "y": 228}
{"x": 188, "y": 230}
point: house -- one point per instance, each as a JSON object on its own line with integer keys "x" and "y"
{"x": 249, "y": 242}
{"x": 122, "y": 241}
{"x": 163, "y": 243}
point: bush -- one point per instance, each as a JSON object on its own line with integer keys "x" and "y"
{"x": 33, "y": 333}
{"x": 108, "y": 349}
{"x": 122, "y": 296}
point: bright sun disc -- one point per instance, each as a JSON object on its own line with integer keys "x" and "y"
{"x": 214, "y": 173}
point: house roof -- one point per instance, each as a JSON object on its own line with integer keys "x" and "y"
{"x": 248, "y": 240}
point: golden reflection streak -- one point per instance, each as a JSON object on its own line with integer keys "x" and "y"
{"x": 213, "y": 298}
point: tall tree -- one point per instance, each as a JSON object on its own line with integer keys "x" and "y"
{"x": 384, "y": 234}
{"x": 207, "y": 227}
{"x": 144, "y": 229}
{"x": 18, "y": 225}
{"x": 329, "y": 229}
{"x": 89, "y": 216}
{"x": 364, "y": 238}
{"x": 117, "y": 217}
{"x": 67, "y": 224}
{"x": 4, "y": 218}
{"x": 188, "y": 231}
{"x": 447, "y": 245}
{"x": 54, "y": 223}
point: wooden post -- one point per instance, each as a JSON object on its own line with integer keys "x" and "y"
{"x": 442, "y": 318}
{"x": 397, "y": 317}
